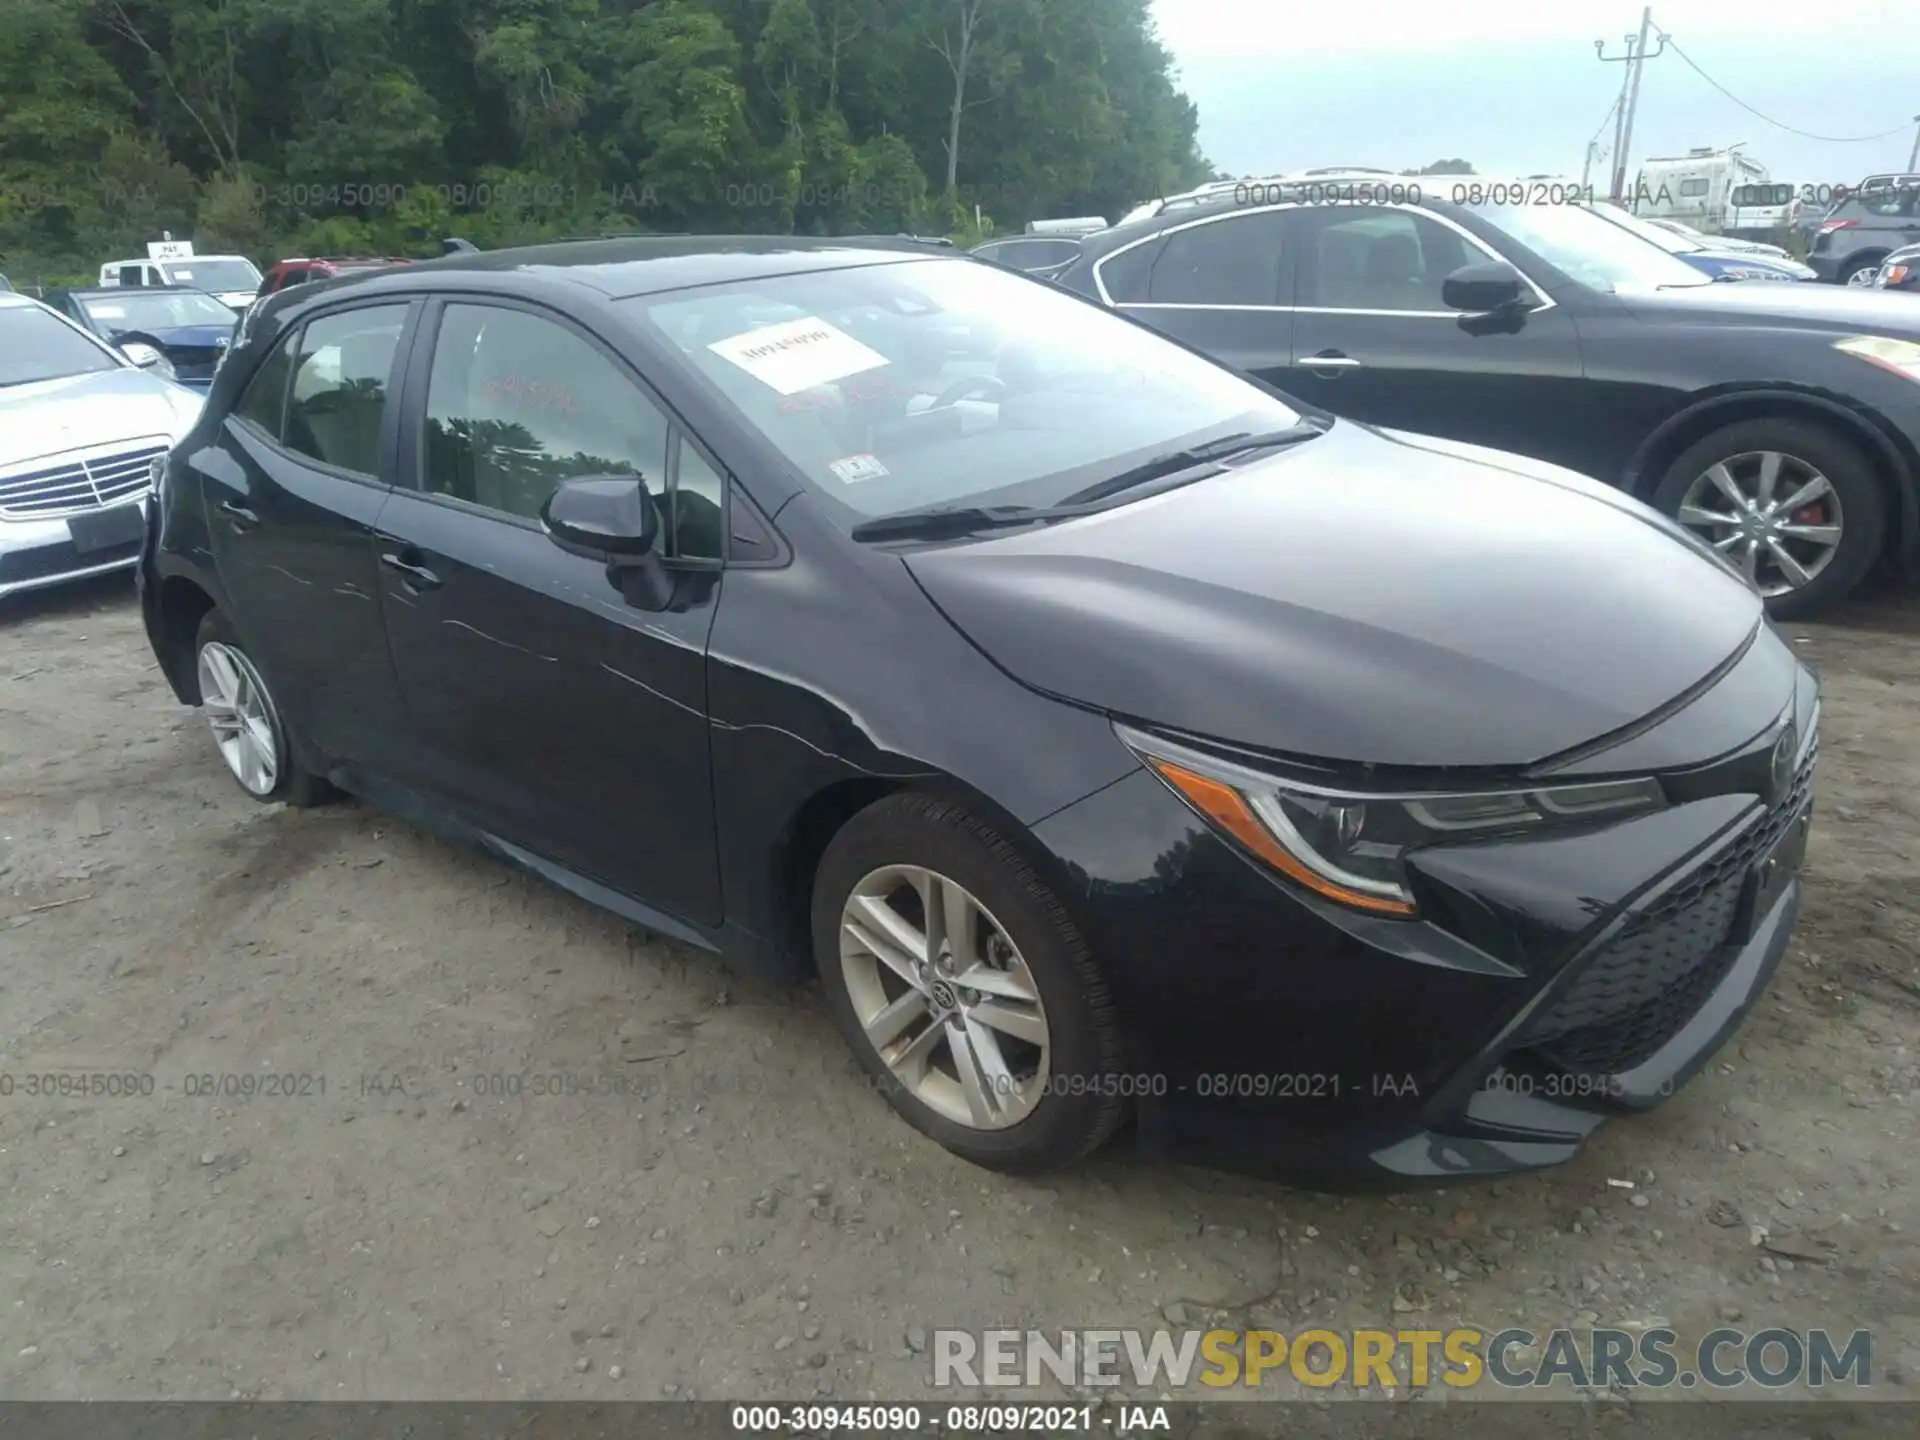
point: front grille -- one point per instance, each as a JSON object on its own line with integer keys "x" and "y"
{"x": 1639, "y": 992}
{"x": 83, "y": 482}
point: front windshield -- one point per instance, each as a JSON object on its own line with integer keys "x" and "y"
{"x": 1659, "y": 235}
{"x": 939, "y": 383}
{"x": 155, "y": 310}
{"x": 37, "y": 345}
{"x": 228, "y": 275}
{"x": 1591, "y": 250}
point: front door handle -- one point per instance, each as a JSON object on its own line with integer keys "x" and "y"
{"x": 1330, "y": 360}
{"x": 416, "y": 577}
{"x": 238, "y": 516}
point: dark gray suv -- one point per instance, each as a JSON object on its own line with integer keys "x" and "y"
{"x": 1862, "y": 230}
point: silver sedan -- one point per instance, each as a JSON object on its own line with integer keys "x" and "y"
{"x": 80, "y": 425}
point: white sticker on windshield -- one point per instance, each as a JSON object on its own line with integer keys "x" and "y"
{"x": 109, "y": 312}
{"x": 855, "y": 468}
{"x": 797, "y": 355}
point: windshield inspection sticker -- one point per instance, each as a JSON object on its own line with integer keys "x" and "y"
{"x": 797, "y": 355}
{"x": 855, "y": 468}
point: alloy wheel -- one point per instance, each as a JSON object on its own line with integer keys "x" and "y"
{"x": 1865, "y": 276}
{"x": 945, "y": 997}
{"x": 241, "y": 717}
{"x": 1775, "y": 517}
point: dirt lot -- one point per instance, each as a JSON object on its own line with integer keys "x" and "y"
{"x": 732, "y": 1213}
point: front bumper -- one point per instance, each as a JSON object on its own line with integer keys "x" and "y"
{"x": 38, "y": 553}
{"x": 1551, "y": 982}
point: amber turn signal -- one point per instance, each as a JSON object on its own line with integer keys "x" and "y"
{"x": 1225, "y": 807}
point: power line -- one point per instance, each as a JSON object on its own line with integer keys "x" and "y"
{"x": 1777, "y": 124}
{"x": 1605, "y": 120}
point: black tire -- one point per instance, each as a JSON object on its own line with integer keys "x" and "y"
{"x": 1083, "y": 1105}
{"x": 295, "y": 786}
{"x": 1863, "y": 499}
{"x": 1854, "y": 267}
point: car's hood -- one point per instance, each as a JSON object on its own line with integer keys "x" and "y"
{"x": 51, "y": 417}
{"x": 1365, "y": 597}
{"x": 1783, "y": 265}
{"x": 1851, "y": 309}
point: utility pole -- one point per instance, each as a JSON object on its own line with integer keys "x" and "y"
{"x": 1913, "y": 156}
{"x": 1635, "y": 57}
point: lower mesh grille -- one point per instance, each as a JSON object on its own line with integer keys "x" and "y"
{"x": 1639, "y": 992}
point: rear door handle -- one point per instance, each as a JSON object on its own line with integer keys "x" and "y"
{"x": 417, "y": 577}
{"x": 238, "y": 516}
{"x": 1330, "y": 360}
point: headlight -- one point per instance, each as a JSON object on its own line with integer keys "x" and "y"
{"x": 1895, "y": 274}
{"x": 1351, "y": 846}
{"x": 1902, "y": 357}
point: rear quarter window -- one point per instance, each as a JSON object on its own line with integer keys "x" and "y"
{"x": 1126, "y": 272}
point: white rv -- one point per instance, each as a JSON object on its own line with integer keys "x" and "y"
{"x": 1697, "y": 188}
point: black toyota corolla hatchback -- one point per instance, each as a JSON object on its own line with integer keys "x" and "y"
{"x": 1119, "y": 740}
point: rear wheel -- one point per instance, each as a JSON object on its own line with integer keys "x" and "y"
{"x": 966, "y": 992}
{"x": 246, "y": 725}
{"x": 1791, "y": 504}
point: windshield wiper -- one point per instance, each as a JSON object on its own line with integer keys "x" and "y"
{"x": 949, "y": 522}
{"x": 1194, "y": 456}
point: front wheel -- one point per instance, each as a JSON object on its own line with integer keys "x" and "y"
{"x": 1792, "y": 505}
{"x": 966, "y": 992}
{"x": 1862, "y": 272}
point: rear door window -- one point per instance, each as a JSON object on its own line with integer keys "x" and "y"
{"x": 1230, "y": 261}
{"x": 341, "y": 380}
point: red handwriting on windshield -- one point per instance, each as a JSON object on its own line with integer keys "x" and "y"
{"x": 866, "y": 390}
{"x": 531, "y": 394}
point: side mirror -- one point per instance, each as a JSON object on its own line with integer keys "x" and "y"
{"x": 143, "y": 355}
{"x": 610, "y": 518}
{"x": 604, "y": 516}
{"x": 1482, "y": 289}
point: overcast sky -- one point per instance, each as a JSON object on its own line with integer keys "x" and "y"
{"x": 1514, "y": 86}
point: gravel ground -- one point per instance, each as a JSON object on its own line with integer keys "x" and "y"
{"x": 720, "y": 1208}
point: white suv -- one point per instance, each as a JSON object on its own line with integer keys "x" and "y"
{"x": 233, "y": 280}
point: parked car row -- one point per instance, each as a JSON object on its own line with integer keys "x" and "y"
{"x": 1118, "y": 736}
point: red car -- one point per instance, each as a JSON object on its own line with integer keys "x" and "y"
{"x": 297, "y": 271}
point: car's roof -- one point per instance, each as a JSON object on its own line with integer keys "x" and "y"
{"x": 14, "y": 300}
{"x": 343, "y": 260}
{"x": 169, "y": 260}
{"x": 649, "y": 265}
